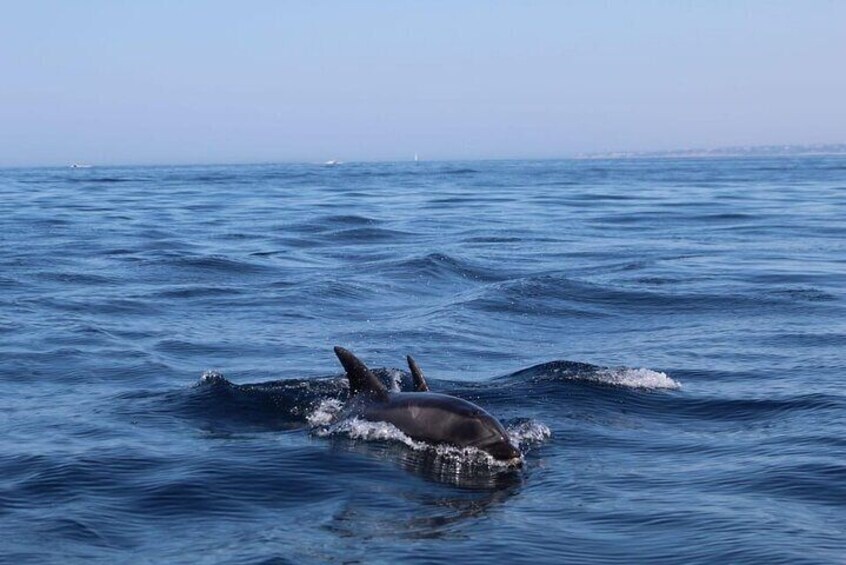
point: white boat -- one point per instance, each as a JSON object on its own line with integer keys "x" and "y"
{"x": 79, "y": 166}
{"x": 332, "y": 162}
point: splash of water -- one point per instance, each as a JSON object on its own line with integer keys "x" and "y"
{"x": 356, "y": 428}
{"x": 326, "y": 412}
{"x": 634, "y": 378}
{"x": 528, "y": 432}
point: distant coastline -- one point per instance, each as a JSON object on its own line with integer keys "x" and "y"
{"x": 734, "y": 151}
{"x": 772, "y": 151}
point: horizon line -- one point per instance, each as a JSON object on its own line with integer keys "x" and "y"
{"x": 730, "y": 151}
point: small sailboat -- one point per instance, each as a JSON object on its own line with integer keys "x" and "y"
{"x": 415, "y": 158}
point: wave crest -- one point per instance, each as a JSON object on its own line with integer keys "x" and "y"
{"x": 625, "y": 377}
{"x": 635, "y": 378}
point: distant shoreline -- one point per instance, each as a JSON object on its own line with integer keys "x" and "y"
{"x": 817, "y": 150}
{"x": 752, "y": 151}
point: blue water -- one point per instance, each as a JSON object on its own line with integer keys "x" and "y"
{"x": 665, "y": 338}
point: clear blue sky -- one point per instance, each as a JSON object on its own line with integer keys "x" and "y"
{"x": 256, "y": 81}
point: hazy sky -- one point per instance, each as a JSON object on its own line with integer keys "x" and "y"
{"x": 257, "y": 81}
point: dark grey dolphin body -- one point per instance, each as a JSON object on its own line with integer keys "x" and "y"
{"x": 425, "y": 416}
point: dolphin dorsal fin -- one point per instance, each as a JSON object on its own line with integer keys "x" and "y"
{"x": 417, "y": 376}
{"x": 362, "y": 380}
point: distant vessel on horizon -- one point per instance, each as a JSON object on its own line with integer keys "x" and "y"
{"x": 415, "y": 158}
{"x": 332, "y": 162}
{"x": 79, "y": 166}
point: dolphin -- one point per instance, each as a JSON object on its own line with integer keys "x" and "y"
{"x": 423, "y": 415}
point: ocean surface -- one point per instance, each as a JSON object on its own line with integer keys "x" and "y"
{"x": 666, "y": 339}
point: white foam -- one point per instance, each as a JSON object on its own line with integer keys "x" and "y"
{"x": 356, "y": 428}
{"x": 212, "y": 376}
{"x": 625, "y": 377}
{"x": 529, "y": 432}
{"x": 325, "y": 412}
{"x": 634, "y": 378}
{"x": 396, "y": 379}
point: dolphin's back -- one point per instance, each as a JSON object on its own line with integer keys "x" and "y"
{"x": 433, "y": 417}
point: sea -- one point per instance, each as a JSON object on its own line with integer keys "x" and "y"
{"x": 664, "y": 338}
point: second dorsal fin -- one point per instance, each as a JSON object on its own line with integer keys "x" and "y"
{"x": 417, "y": 376}
{"x": 362, "y": 380}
